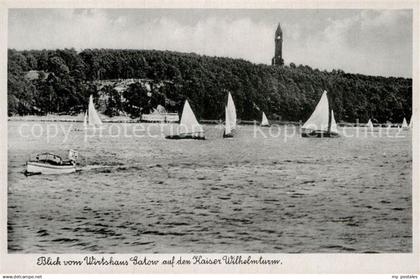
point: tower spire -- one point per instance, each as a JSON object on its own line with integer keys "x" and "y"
{"x": 278, "y": 30}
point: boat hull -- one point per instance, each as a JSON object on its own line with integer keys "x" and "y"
{"x": 46, "y": 168}
{"x": 229, "y": 135}
{"x": 197, "y": 136}
{"x": 319, "y": 134}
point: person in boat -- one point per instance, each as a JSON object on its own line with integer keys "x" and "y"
{"x": 48, "y": 158}
{"x": 53, "y": 159}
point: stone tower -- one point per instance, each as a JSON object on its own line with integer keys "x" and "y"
{"x": 278, "y": 39}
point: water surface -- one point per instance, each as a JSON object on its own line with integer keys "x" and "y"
{"x": 245, "y": 194}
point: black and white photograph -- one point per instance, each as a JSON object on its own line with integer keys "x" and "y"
{"x": 209, "y": 131}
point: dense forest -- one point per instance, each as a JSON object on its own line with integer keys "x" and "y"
{"x": 60, "y": 81}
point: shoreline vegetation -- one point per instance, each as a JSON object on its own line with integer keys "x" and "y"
{"x": 135, "y": 82}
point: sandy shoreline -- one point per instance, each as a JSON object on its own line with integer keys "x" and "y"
{"x": 126, "y": 119}
{"x": 71, "y": 118}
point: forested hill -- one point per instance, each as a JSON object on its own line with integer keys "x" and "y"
{"x": 60, "y": 81}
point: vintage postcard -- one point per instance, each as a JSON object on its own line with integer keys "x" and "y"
{"x": 209, "y": 137}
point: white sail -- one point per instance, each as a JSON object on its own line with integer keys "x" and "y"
{"x": 228, "y": 127}
{"x": 93, "y": 116}
{"x": 319, "y": 118}
{"x": 404, "y": 124}
{"x": 189, "y": 123}
{"x": 370, "y": 124}
{"x": 232, "y": 111}
{"x": 333, "y": 127}
{"x": 85, "y": 120}
{"x": 264, "y": 121}
{"x": 411, "y": 122}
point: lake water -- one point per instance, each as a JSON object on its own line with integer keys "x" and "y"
{"x": 137, "y": 194}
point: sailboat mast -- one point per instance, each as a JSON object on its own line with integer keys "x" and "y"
{"x": 329, "y": 114}
{"x": 329, "y": 121}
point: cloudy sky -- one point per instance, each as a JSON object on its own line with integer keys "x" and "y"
{"x": 374, "y": 42}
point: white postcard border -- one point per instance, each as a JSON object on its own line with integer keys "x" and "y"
{"x": 291, "y": 263}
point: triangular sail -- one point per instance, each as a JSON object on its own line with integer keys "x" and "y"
{"x": 264, "y": 121}
{"x": 411, "y": 122}
{"x": 85, "y": 120}
{"x": 370, "y": 124}
{"x": 333, "y": 127}
{"x": 228, "y": 128}
{"x": 93, "y": 116}
{"x": 189, "y": 123}
{"x": 232, "y": 111}
{"x": 319, "y": 118}
{"x": 404, "y": 124}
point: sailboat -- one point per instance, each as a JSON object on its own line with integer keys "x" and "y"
{"x": 264, "y": 121}
{"x": 320, "y": 124}
{"x": 228, "y": 125}
{"x": 404, "y": 125}
{"x": 333, "y": 125}
{"x": 411, "y": 122}
{"x": 369, "y": 125}
{"x": 92, "y": 119}
{"x": 189, "y": 126}
{"x": 85, "y": 120}
{"x": 230, "y": 118}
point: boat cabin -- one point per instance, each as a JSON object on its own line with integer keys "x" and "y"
{"x": 49, "y": 158}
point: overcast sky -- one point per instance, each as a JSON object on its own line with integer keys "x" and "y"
{"x": 374, "y": 42}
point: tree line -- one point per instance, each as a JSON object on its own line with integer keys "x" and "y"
{"x": 60, "y": 81}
